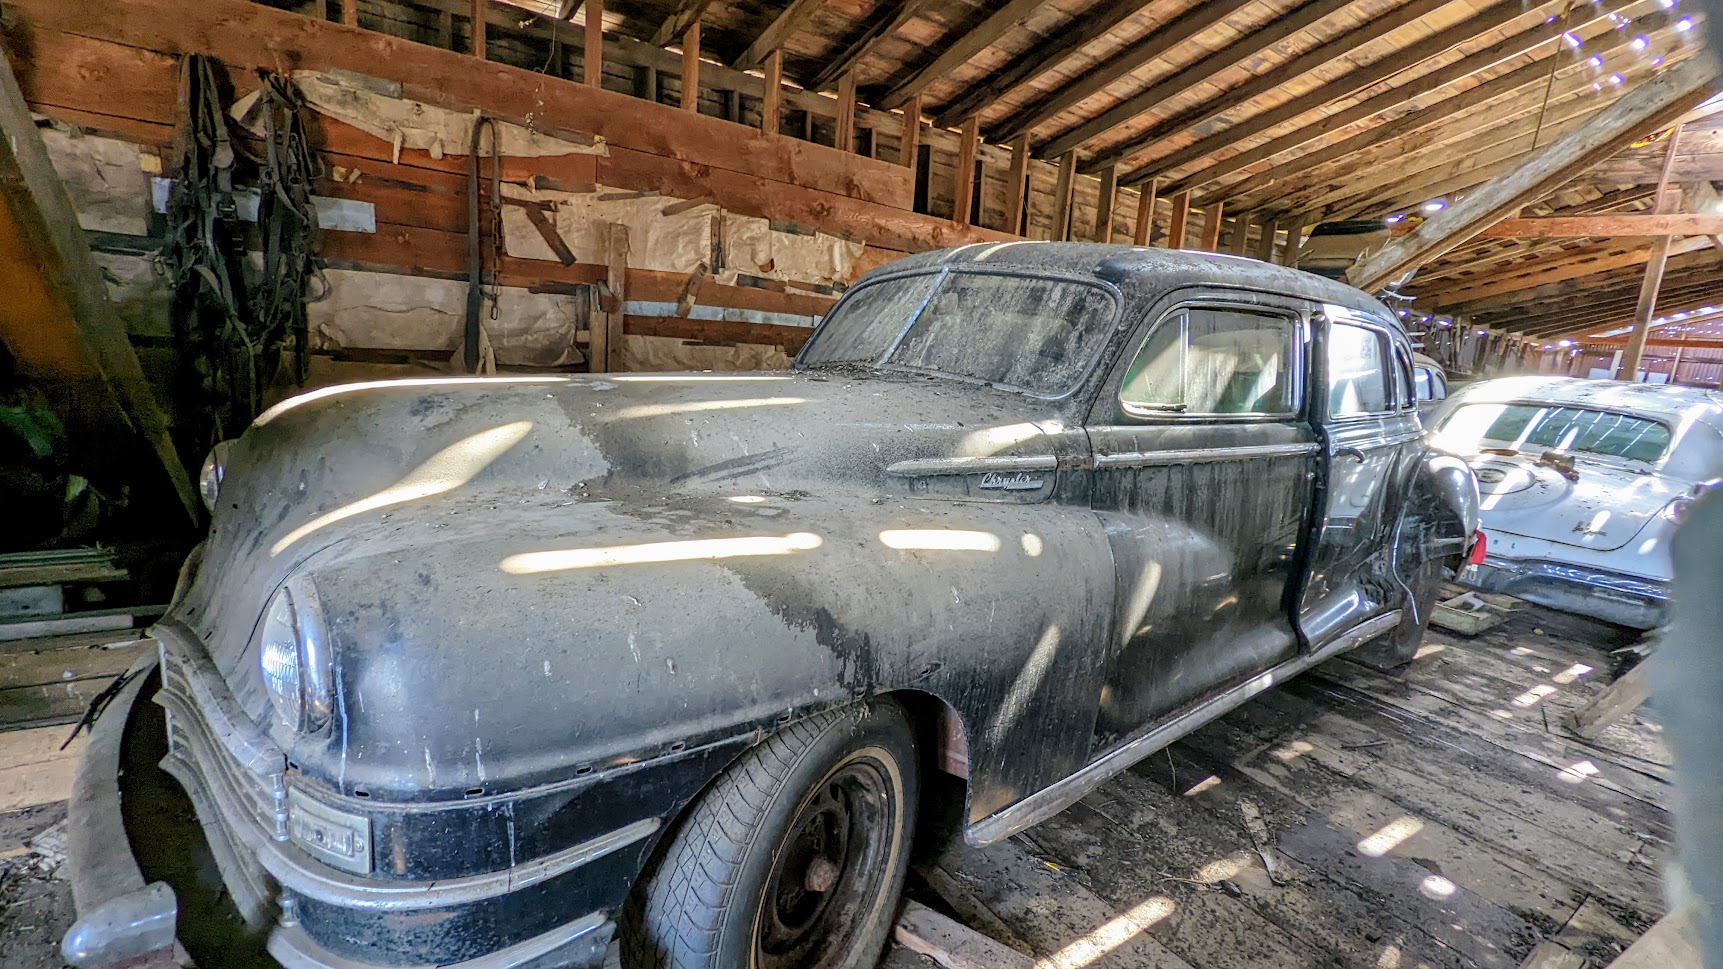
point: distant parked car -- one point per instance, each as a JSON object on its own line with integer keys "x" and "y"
{"x": 1583, "y": 483}
{"x": 1429, "y": 384}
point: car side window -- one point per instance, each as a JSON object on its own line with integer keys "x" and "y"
{"x": 1357, "y": 371}
{"x": 1403, "y": 369}
{"x": 1423, "y": 382}
{"x": 1216, "y": 361}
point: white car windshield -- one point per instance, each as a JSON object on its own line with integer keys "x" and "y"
{"x": 1026, "y": 333}
{"x": 1553, "y": 427}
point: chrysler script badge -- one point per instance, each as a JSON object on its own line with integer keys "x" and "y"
{"x": 1015, "y": 481}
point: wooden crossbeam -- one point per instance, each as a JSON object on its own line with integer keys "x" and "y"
{"x": 1269, "y": 80}
{"x": 878, "y": 29}
{"x": 688, "y": 13}
{"x": 1083, "y": 30}
{"x": 1517, "y": 45}
{"x": 1654, "y": 263}
{"x": 1556, "y": 227}
{"x": 963, "y": 47}
{"x": 771, "y": 40}
{"x": 55, "y": 318}
{"x": 1654, "y": 104}
{"x": 1542, "y": 281}
{"x": 1162, "y": 40}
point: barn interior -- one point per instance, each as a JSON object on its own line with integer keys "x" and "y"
{"x": 209, "y": 207}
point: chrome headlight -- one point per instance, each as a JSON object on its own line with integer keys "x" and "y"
{"x": 214, "y": 470}
{"x": 294, "y": 657}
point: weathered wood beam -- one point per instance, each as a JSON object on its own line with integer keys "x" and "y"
{"x": 1164, "y": 38}
{"x": 1265, "y": 244}
{"x": 772, "y": 39}
{"x": 1655, "y": 103}
{"x": 1248, "y": 46}
{"x": 1517, "y": 45}
{"x": 878, "y": 28}
{"x": 1604, "y": 226}
{"x": 1144, "y": 227}
{"x": 771, "y": 106}
{"x": 350, "y": 12}
{"x": 1513, "y": 279}
{"x": 964, "y": 47}
{"x": 1017, "y": 185}
{"x": 688, "y": 13}
{"x": 1211, "y": 228}
{"x": 1062, "y": 191}
{"x": 909, "y": 149}
{"x": 1241, "y": 235}
{"x": 963, "y": 195}
{"x": 846, "y": 134}
{"x": 1080, "y": 32}
{"x": 592, "y": 68}
{"x": 1282, "y": 74}
{"x": 1104, "y": 202}
{"x": 478, "y": 20}
{"x": 1176, "y": 226}
{"x": 55, "y": 318}
{"x": 1647, "y": 305}
{"x": 691, "y": 67}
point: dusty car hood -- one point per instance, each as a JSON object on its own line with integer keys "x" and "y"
{"x": 1601, "y": 511}
{"x": 452, "y": 530}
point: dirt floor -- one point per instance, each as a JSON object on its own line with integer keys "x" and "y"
{"x": 1439, "y": 818}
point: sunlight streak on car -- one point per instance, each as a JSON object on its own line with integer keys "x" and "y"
{"x": 1437, "y": 887}
{"x": 1027, "y": 683}
{"x": 1109, "y": 936}
{"x": 701, "y": 406}
{"x": 1032, "y": 545}
{"x": 698, "y": 550}
{"x": 939, "y": 540}
{"x": 442, "y": 472}
{"x": 689, "y": 378}
{"x": 335, "y": 390}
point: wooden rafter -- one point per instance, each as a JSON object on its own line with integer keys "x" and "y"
{"x": 688, "y": 13}
{"x": 966, "y": 45}
{"x": 1603, "y": 226}
{"x": 878, "y": 28}
{"x": 792, "y": 19}
{"x": 1157, "y": 44}
{"x": 1082, "y": 31}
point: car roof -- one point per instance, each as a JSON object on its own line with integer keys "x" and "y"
{"x": 1664, "y": 401}
{"x": 1145, "y": 272}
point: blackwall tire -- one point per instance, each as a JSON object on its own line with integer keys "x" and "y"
{"x": 794, "y": 857}
{"x": 1395, "y": 649}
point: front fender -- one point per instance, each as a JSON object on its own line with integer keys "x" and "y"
{"x": 1442, "y": 513}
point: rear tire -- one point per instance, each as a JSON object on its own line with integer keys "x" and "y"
{"x": 1395, "y": 649}
{"x": 795, "y": 857}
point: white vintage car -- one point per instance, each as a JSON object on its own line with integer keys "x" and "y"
{"x": 1583, "y": 483}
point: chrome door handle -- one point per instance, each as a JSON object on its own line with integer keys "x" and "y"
{"x": 1349, "y": 452}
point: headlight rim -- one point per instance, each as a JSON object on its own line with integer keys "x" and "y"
{"x": 310, "y": 708}
{"x": 213, "y": 473}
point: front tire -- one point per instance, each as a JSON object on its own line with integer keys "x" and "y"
{"x": 793, "y": 859}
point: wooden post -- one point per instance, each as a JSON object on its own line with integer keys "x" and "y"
{"x": 1265, "y": 245}
{"x": 1017, "y": 185}
{"x": 691, "y": 68}
{"x": 772, "y": 104}
{"x": 350, "y": 12}
{"x": 320, "y": 9}
{"x": 1241, "y": 235}
{"x": 1177, "y": 226}
{"x": 446, "y": 30}
{"x": 1144, "y": 229}
{"x": 1648, "y": 289}
{"x": 1294, "y": 242}
{"x": 909, "y": 148}
{"x": 478, "y": 27}
{"x": 1062, "y": 190}
{"x": 1104, "y": 202}
{"x": 593, "y": 70}
{"x": 969, "y": 143}
{"x": 846, "y": 137}
{"x": 606, "y": 344}
{"x": 1211, "y": 228}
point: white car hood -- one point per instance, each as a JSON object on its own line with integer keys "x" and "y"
{"x": 1603, "y": 510}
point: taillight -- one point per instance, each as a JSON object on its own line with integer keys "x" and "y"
{"x": 1480, "y": 546}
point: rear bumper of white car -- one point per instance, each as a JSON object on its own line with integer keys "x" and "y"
{"x": 1626, "y": 600}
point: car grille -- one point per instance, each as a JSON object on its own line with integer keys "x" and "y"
{"x": 233, "y": 774}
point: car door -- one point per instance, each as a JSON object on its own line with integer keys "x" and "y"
{"x": 1203, "y": 462}
{"x": 1371, "y": 441}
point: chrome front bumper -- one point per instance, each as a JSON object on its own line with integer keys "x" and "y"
{"x": 236, "y": 780}
{"x": 1625, "y": 600}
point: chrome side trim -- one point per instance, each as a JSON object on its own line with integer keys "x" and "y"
{"x": 579, "y": 943}
{"x": 980, "y": 465}
{"x": 1151, "y": 459}
{"x": 315, "y": 881}
{"x": 1045, "y": 803}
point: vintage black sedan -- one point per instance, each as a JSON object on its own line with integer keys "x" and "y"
{"x": 482, "y": 672}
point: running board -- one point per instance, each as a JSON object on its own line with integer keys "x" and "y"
{"x": 1045, "y": 803}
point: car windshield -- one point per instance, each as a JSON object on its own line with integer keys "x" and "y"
{"x": 1026, "y": 333}
{"x": 1553, "y": 427}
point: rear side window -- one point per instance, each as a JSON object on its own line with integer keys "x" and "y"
{"x": 1215, "y": 360}
{"x": 1357, "y": 371}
